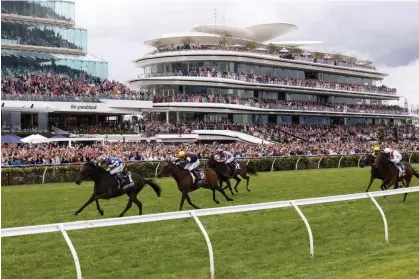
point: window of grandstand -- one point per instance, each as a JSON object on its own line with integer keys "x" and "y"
{"x": 58, "y": 10}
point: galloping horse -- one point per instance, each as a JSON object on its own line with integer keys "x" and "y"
{"x": 390, "y": 173}
{"x": 185, "y": 183}
{"x": 225, "y": 174}
{"x": 376, "y": 173}
{"x": 106, "y": 187}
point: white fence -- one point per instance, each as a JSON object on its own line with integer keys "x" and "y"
{"x": 64, "y": 227}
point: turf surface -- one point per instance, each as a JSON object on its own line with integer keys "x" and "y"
{"x": 348, "y": 236}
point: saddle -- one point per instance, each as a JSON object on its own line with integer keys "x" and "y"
{"x": 233, "y": 166}
{"x": 198, "y": 177}
{"x": 124, "y": 179}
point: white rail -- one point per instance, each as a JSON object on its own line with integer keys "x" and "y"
{"x": 63, "y": 227}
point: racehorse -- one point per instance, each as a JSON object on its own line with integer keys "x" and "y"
{"x": 225, "y": 174}
{"x": 186, "y": 185}
{"x": 390, "y": 173}
{"x": 106, "y": 187}
{"x": 376, "y": 173}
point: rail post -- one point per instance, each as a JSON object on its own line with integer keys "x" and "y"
{"x": 43, "y": 175}
{"x": 318, "y": 164}
{"x": 157, "y": 168}
{"x": 72, "y": 249}
{"x": 410, "y": 157}
{"x": 310, "y": 234}
{"x": 296, "y": 164}
{"x": 209, "y": 245}
{"x": 341, "y": 157}
{"x": 382, "y": 215}
{"x": 273, "y": 163}
{"x": 359, "y": 160}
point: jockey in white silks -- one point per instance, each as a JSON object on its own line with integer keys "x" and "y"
{"x": 396, "y": 158}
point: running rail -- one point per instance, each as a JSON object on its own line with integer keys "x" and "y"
{"x": 195, "y": 214}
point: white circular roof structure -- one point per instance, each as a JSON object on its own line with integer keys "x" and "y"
{"x": 211, "y": 34}
{"x": 232, "y": 31}
{"x": 269, "y": 31}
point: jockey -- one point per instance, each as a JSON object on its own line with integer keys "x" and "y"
{"x": 228, "y": 158}
{"x": 115, "y": 167}
{"x": 192, "y": 163}
{"x": 396, "y": 158}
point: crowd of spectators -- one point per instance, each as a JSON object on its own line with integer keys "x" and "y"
{"x": 322, "y": 140}
{"x": 33, "y": 35}
{"x": 268, "y": 79}
{"x": 282, "y": 104}
{"x": 61, "y": 83}
{"x": 46, "y": 84}
{"x": 31, "y": 8}
{"x": 303, "y": 56}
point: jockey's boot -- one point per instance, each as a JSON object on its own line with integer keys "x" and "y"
{"x": 197, "y": 175}
{"x": 401, "y": 166}
{"x": 229, "y": 168}
{"x": 237, "y": 165}
{"x": 121, "y": 179}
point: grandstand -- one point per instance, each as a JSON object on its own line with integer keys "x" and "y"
{"x": 233, "y": 81}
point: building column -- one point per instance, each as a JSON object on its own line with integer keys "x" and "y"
{"x": 177, "y": 117}
{"x": 167, "y": 116}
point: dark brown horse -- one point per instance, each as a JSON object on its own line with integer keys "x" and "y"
{"x": 186, "y": 185}
{"x": 376, "y": 173}
{"x": 225, "y": 173}
{"x": 106, "y": 187}
{"x": 390, "y": 173}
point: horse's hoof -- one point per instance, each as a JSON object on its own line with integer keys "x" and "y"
{"x": 230, "y": 199}
{"x": 217, "y": 202}
{"x": 101, "y": 213}
{"x": 248, "y": 190}
{"x": 75, "y": 214}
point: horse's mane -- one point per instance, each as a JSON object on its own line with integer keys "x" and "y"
{"x": 95, "y": 167}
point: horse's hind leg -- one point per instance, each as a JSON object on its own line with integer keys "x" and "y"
{"x": 89, "y": 201}
{"x": 129, "y": 204}
{"x": 247, "y": 182}
{"x": 135, "y": 200}
{"x": 222, "y": 192}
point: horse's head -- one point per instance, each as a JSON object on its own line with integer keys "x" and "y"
{"x": 166, "y": 168}
{"x": 211, "y": 162}
{"x": 368, "y": 161}
{"x": 85, "y": 172}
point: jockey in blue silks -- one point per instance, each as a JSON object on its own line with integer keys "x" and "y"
{"x": 115, "y": 167}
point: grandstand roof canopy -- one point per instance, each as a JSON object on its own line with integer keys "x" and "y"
{"x": 37, "y": 55}
{"x": 211, "y": 35}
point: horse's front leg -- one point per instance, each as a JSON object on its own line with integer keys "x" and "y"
{"x": 98, "y": 207}
{"x": 228, "y": 185}
{"x": 238, "y": 180}
{"x": 89, "y": 201}
{"x": 369, "y": 185}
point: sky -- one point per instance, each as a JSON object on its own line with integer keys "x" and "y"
{"x": 384, "y": 32}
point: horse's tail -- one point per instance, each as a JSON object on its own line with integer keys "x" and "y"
{"x": 251, "y": 170}
{"x": 153, "y": 185}
{"x": 415, "y": 172}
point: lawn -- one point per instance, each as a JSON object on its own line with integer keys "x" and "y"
{"x": 348, "y": 236}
